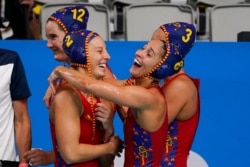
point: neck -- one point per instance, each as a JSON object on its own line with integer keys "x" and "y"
{"x": 146, "y": 82}
{"x": 81, "y": 70}
{"x": 180, "y": 72}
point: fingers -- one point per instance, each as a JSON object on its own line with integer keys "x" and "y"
{"x": 102, "y": 113}
{"x": 31, "y": 153}
{"x": 53, "y": 78}
{"x": 102, "y": 110}
{"x": 34, "y": 161}
{"x": 33, "y": 156}
{"x": 47, "y": 102}
{"x": 54, "y": 81}
{"x": 101, "y": 107}
{"x": 53, "y": 87}
{"x": 48, "y": 97}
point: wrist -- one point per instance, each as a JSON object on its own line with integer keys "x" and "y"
{"x": 110, "y": 147}
{"x": 110, "y": 129}
{"x": 108, "y": 134}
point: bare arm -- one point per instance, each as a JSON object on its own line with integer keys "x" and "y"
{"x": 181, "y": 96}
{"x": 22, "y": 127}
{"x": 111, "y": 78}
{"x": 67, "y": 108}
{"x": 131, "y": 96}
{"x": 122, "y": 112}
{"x": 148, "y": 104}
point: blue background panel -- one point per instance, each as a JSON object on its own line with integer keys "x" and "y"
{"x": 223, "y": 134}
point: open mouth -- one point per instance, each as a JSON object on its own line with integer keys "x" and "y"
{"x": 103, "y": 66}
{"x": 137, "y": 63}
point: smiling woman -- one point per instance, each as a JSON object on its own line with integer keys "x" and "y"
{"x": 87, "y": 49}
{"x": 62, "y": 21}
{"x": 145, "y": 111}
{"x": 87, "y": 119}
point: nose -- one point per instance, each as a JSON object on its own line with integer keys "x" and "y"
{"x": 107, "y": 56}
{"x": 49, "y": 44}
{"x": 139, "y": 53}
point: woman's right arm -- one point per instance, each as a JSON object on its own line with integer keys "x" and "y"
{"x": 67, "y": 108}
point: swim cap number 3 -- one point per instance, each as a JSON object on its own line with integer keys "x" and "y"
{"x": 188, "y": 35}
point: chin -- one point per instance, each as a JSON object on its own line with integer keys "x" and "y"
{"x": 133, "y": 72}
{"x": 56, "y": 57}
{"x": 101, "y": 75}
{"x": 59, "y": 58}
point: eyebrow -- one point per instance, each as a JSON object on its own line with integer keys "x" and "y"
{"x": 152, "y": 50}
{"x": 51, "y": 35}
{"x": 99, "y": 47}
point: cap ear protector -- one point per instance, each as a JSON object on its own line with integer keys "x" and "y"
{"x": 75, "y": 45}
{"x": 72, "y": 18}
{"x": 173, "y": 63}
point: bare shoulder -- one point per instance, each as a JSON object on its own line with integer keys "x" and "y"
{"x": 65, "y": 88}
{"x": 65, "y": 92}
{"x": 181, "y": 84}
{"x": 66, "y": 100}
{"x": 183, "y": 90}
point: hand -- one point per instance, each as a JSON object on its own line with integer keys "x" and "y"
{"x": 54, "y": 79}
{"x": 116, "y": 145}
{"x": 104, "y": 113}
{"x": 47, "y": 99}
{"x": 38, "y": 157}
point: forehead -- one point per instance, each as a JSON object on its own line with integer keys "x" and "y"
{"x": 97, "y": 42}
{"x": 52, "y": 26}
{"x": 155, "y": 44}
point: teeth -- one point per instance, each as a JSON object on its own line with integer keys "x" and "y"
{"x": 103, "y": 65}
{"x": 137, "y": 62}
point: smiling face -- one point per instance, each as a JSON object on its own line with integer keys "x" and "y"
{"x": 147, "y": 58}
{"x": 87, "y": 52}
{"x": 98, "y": 57}
{"x": 55, "y": 37}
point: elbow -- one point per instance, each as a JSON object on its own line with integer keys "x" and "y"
{"x": 68, "y": 159}
{"x": 68, "y": 156}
